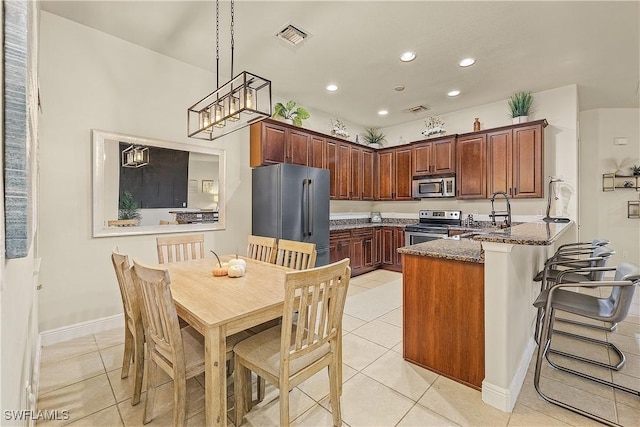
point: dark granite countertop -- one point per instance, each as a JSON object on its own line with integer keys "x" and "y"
{"x": 365, "y": 225}
{"x": 469, "y": 245}
{"x": 462, "y": 249}
{"x": 538, "y": 233}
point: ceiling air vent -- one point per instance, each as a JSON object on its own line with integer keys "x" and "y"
{"x": 417, "y": 109}
{"x": 292, "y": 35}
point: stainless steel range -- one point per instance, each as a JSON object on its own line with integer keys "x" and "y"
{"x": 433, "y": 225}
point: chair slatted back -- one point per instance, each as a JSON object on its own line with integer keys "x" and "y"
{"x": 296, "y": 255}
{"x": 261, "y": 248}
{"x": 314, "y": 304}
{"x": 159, "y": 316}
{"x": 127, "y": 289}
{"x": 180, "y": 248}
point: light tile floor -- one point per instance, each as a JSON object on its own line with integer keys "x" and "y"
{"x": 380, "y": 388}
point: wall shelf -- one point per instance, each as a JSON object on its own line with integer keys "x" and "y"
{"x": 612, "y": 182}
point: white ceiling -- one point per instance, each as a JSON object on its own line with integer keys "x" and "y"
{"x": 519, "y": 45}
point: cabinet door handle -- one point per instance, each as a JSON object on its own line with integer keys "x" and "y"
{"x": 515, "y": 190}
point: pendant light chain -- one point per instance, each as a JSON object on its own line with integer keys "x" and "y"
{"x": 232, "y": 34}
{"x": 217, "y": 43}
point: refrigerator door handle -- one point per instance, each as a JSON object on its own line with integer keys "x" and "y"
{"x": 305, "y": 207}
{"x": 310, "y": 208}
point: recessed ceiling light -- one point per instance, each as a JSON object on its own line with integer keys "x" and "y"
{"x": 383, "y": 112}
{"x": 399, "y": 88}
{"x": 453, "y": 93}
{"x": 466, "y": 62}
{"x": 332, "y": 88}
{"x": 408, "y": 56}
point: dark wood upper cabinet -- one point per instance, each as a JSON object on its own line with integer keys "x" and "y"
{"x": 317, "y": 153}
{"x": 515, "y": 161}
{"x": 394, "y": 174}
{"x": 268, "y": 144}
{"x": 369, "y": 175}
{"x": 528, "y": 161}
{"x": 344, "y": 170}
{"x": 471, "y": 176}
{"x": 332, "y": 165}
{"x": 499, "y": 162}
{"x": 508, "y": 159}
{"x": 434, "y": 157}
{"x": 355, "y": 190}
{"x": 298, "y": 147}
{"x": 403, "y": 177}
{"x": 386, "y": 175}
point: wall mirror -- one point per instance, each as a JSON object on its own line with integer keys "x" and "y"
{"x": 149, "y": 186}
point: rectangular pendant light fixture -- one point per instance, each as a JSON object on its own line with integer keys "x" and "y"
{"x": 243, "y": 100}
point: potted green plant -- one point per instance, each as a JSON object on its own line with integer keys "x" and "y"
{"x": 520, "y": 105}
{"x": 128, "y": 209}
{"x": 635, "y": 170}
{"x": 290, "y": 112}
{"x": 373, "y": 137}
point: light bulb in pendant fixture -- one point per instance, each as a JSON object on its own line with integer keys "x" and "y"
{"x": 137, "y": 156}
{"x": 205, "y": 119}
{"x": 231, "y": 107}
{"x": 249, "y": 99}
{"x": 218, "y": 115}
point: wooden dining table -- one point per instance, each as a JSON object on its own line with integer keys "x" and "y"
{"x": 221, "y": 306}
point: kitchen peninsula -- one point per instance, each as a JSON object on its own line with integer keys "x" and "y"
{"x": 471, "y": 317}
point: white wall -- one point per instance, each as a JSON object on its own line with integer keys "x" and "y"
{"x": 92, "y": 80}
{"x": 604, "y": 214}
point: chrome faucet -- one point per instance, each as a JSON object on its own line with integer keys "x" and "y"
{"x": 506, "y": 214}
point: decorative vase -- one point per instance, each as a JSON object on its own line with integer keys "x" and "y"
{"x": 520, "y": 119}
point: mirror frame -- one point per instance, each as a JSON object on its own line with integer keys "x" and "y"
{"x": 99, "y": 137}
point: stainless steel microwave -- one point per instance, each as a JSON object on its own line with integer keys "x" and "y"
{"x": 444, "y": 186}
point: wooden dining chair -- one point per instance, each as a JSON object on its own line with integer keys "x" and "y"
{"x": 133, "y": 329}
{"x": 296, "y": 255}
{"x": 307, "y": 341}
{"x": 178, "y": 352}
{"x": 180, "y": 248}
{"x": 262, "y": 248}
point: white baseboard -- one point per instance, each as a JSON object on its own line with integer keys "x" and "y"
{"x": 505, "y": 399}
{"x": 67, "y": 333}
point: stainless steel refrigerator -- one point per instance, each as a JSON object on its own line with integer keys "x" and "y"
{"x": 292, "y": 202}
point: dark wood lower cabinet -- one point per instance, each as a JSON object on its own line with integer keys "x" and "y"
{"x": 392, "y": 239}
{"x": 361, "y": 245}
{"x": 339, "y": 245}
{"x": 443, "y": 317}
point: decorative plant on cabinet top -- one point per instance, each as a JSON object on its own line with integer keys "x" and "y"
{"x": 290, "y": 112}
{"x": 373, "y": 137}
{"x": 520, "y": 105}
